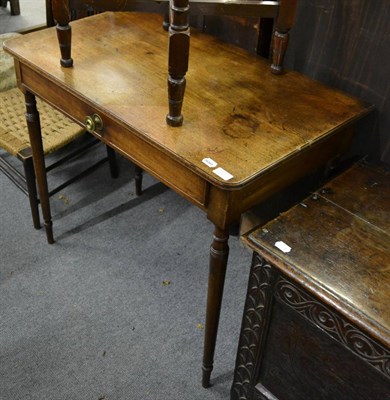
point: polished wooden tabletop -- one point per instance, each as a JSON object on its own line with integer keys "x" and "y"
{"x": 235, "y": 111}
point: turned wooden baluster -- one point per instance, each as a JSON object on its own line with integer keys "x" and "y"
{"x": 284, "y": 22}
{"x": 34, "y": 130}
{"x": 219, "y": 252}
{"x": 61, "y": 16}
{"x": 179, "y": 43}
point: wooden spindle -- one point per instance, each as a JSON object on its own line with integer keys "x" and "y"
{"x": 284, "y": 22}
{"x": 61, "y": 16}
{"x": 179, "y": 43}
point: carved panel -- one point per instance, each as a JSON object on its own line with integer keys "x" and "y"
{"x": 253, "y": 329}
{"x": 334, "y": 325}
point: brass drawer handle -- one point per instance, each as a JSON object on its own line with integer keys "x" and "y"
{"x": 93, "y": 123}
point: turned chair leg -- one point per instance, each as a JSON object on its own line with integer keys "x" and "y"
{"x": 15, "y": 7}
{"x": 284, "y": 22}
{"x": 34, "y": 130}
{"x": 178, "y": 54}
{"x": 280, "y": 42}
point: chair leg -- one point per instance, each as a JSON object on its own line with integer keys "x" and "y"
{"x": 283, "y": 25}
{"x": 112, "y": 162}
{"x": 111, "y": 155}
{"x": 138, "y": 180}
{"x": 15, "y": 7}
{"x": 29, "y": 174}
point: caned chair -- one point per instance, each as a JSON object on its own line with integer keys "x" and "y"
{"x": 14, "y": 4}
{"x": 57, "y": 132}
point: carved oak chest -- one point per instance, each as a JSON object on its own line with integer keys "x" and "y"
{"x": 316, "y": 322}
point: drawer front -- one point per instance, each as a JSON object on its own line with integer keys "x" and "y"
{"x": 152, "y": 159}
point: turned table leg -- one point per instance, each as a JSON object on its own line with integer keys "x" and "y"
{"x": 219, "y": 252}
{"x": 34, "y": 130}
{"x": 179, "y": 43}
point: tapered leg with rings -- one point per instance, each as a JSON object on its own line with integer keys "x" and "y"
{"x": 34, "y": 130}
{"x": 219, "y": 252}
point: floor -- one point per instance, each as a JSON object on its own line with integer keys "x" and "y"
{"x": 32, "y": 13}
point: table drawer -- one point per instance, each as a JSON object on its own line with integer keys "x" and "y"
{"x": 157, "y": 161}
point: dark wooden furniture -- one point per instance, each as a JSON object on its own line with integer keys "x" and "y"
{"x": 179, "y": 32}
{"x": 316, "y": 322}
{"x": 14, "y": 4}
{"x": 247, "y": 133}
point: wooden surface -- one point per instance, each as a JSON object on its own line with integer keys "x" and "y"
{"x": 256, "y": 119}
{"x": 340, "y": 241}
{"x": 316, "y": 321}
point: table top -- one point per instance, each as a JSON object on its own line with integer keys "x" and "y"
{"x": 340, "y": 246}
{"x": 236, "y": 112}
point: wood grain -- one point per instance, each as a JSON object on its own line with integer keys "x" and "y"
{"x": 235, "y": 110}
{"x": 338, "y": 250}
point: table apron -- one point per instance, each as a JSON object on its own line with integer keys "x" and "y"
{"x": 225, "y": 207}
{"x": 157, "y": 162}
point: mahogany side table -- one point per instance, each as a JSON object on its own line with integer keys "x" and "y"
{"x": 247, "y": 133}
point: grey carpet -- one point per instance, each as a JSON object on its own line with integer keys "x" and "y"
{"x": 90, "y": 316}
